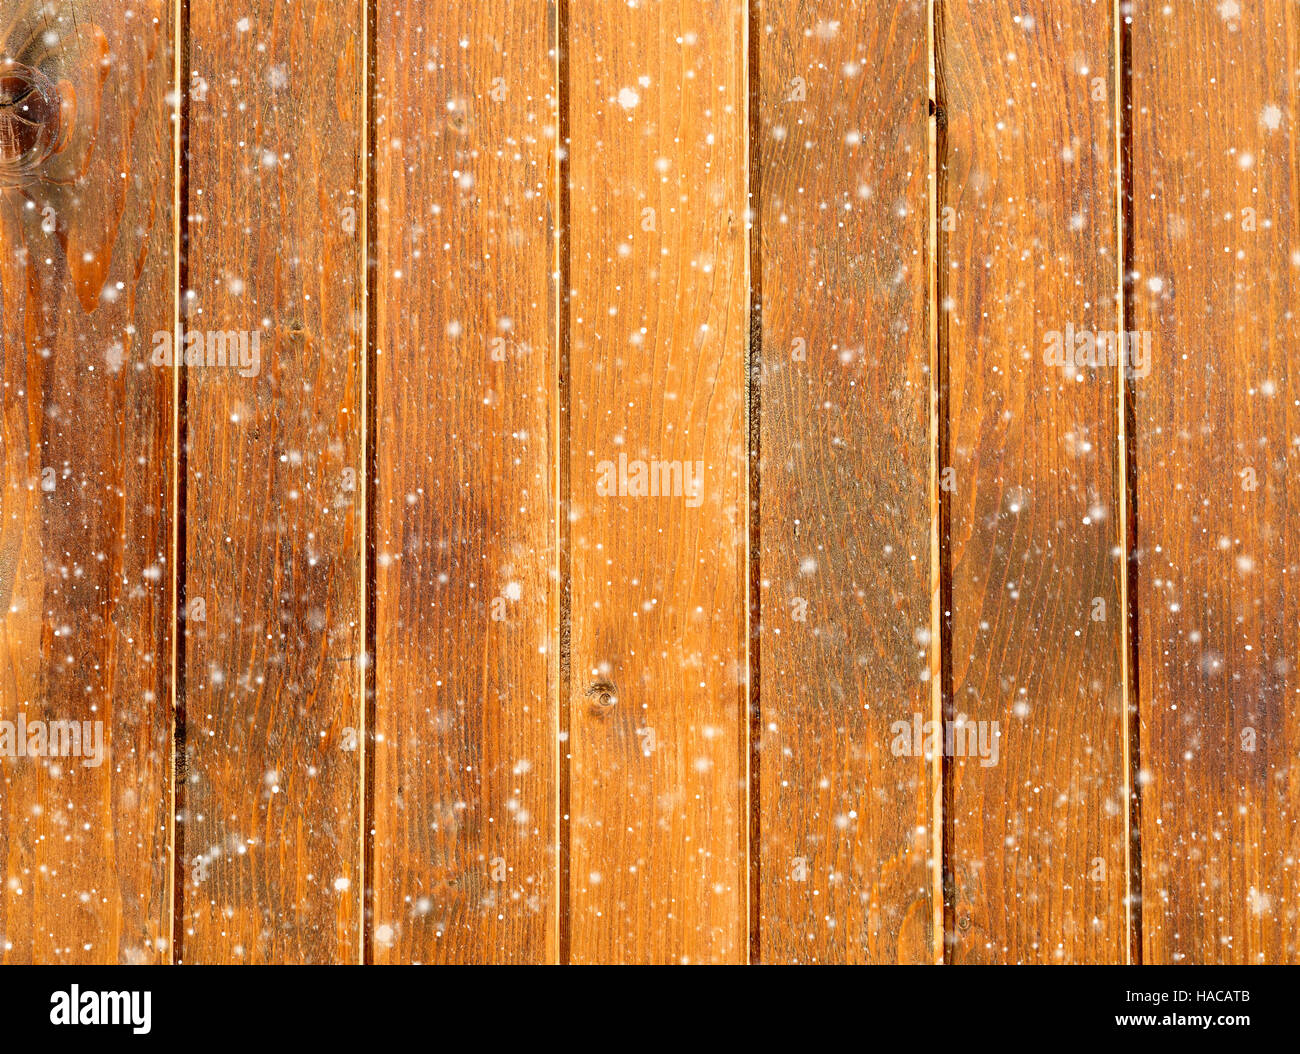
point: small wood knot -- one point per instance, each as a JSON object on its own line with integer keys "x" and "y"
{"x": 602, "y": 697}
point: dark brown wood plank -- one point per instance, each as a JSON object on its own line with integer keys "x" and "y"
{"x": 848, "y": 840}
{"x": 270, "y": 828}
{"x": 86, "y": 278}
{"x": 1215, "y": 256}
{"x": 465, "y": 403}
{"x": 1031, "y": 485}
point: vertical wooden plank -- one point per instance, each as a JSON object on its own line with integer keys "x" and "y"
{"x": 271, "y": 820}
{"x": 1030, "y": 483}
{"x": 86, "y": 270}
{"x": 847, "y": 835}
{"x": 465, "y": 735}
{"x": 1215, "y": 257}
{"x": 658, "y": 252}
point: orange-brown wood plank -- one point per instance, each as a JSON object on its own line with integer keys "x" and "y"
{"x": 270, "y": 821}
{"x": 465, "y": 536}
{"x": 657, "y": 477}
{"x": 1216, "y": 255}
{"x": 1027, "y": 201}
{"x": 847, "y": 860}
{"x": 86, "y": 273}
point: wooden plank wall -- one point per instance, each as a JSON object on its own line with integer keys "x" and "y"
{"x": 656, "y": 420}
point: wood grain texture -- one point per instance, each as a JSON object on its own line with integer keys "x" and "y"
{"x": 846, "y": 829}
{"x": 1035, "y": 842}
{"x": 549, "y": 206}
{"x": 86, "y": 276}
{"x": 658, "y": 803}
{"x": 271, "y": 821}
{"x": 1215, "y": 258}
{"x": 465, "y": 730}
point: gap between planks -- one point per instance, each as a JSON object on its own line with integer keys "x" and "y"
{"x": 180, "y": 206}
{"x": 1127, "y": 484}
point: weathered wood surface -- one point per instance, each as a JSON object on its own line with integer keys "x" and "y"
{"x": 465, "y": 840}
{"x": 269, "y": 828}
{"x": 448, "y": 686}
{"x": 1030, "y": 484}
{"x": 656, "y": 374}
{"x": 1215, "y": 258}
{"x": 86, "y": 278}
{"x": 847, "y": 844}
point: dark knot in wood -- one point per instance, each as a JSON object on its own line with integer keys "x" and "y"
{"x": 35, "y": 119}
{"x": 603, "y": 697}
